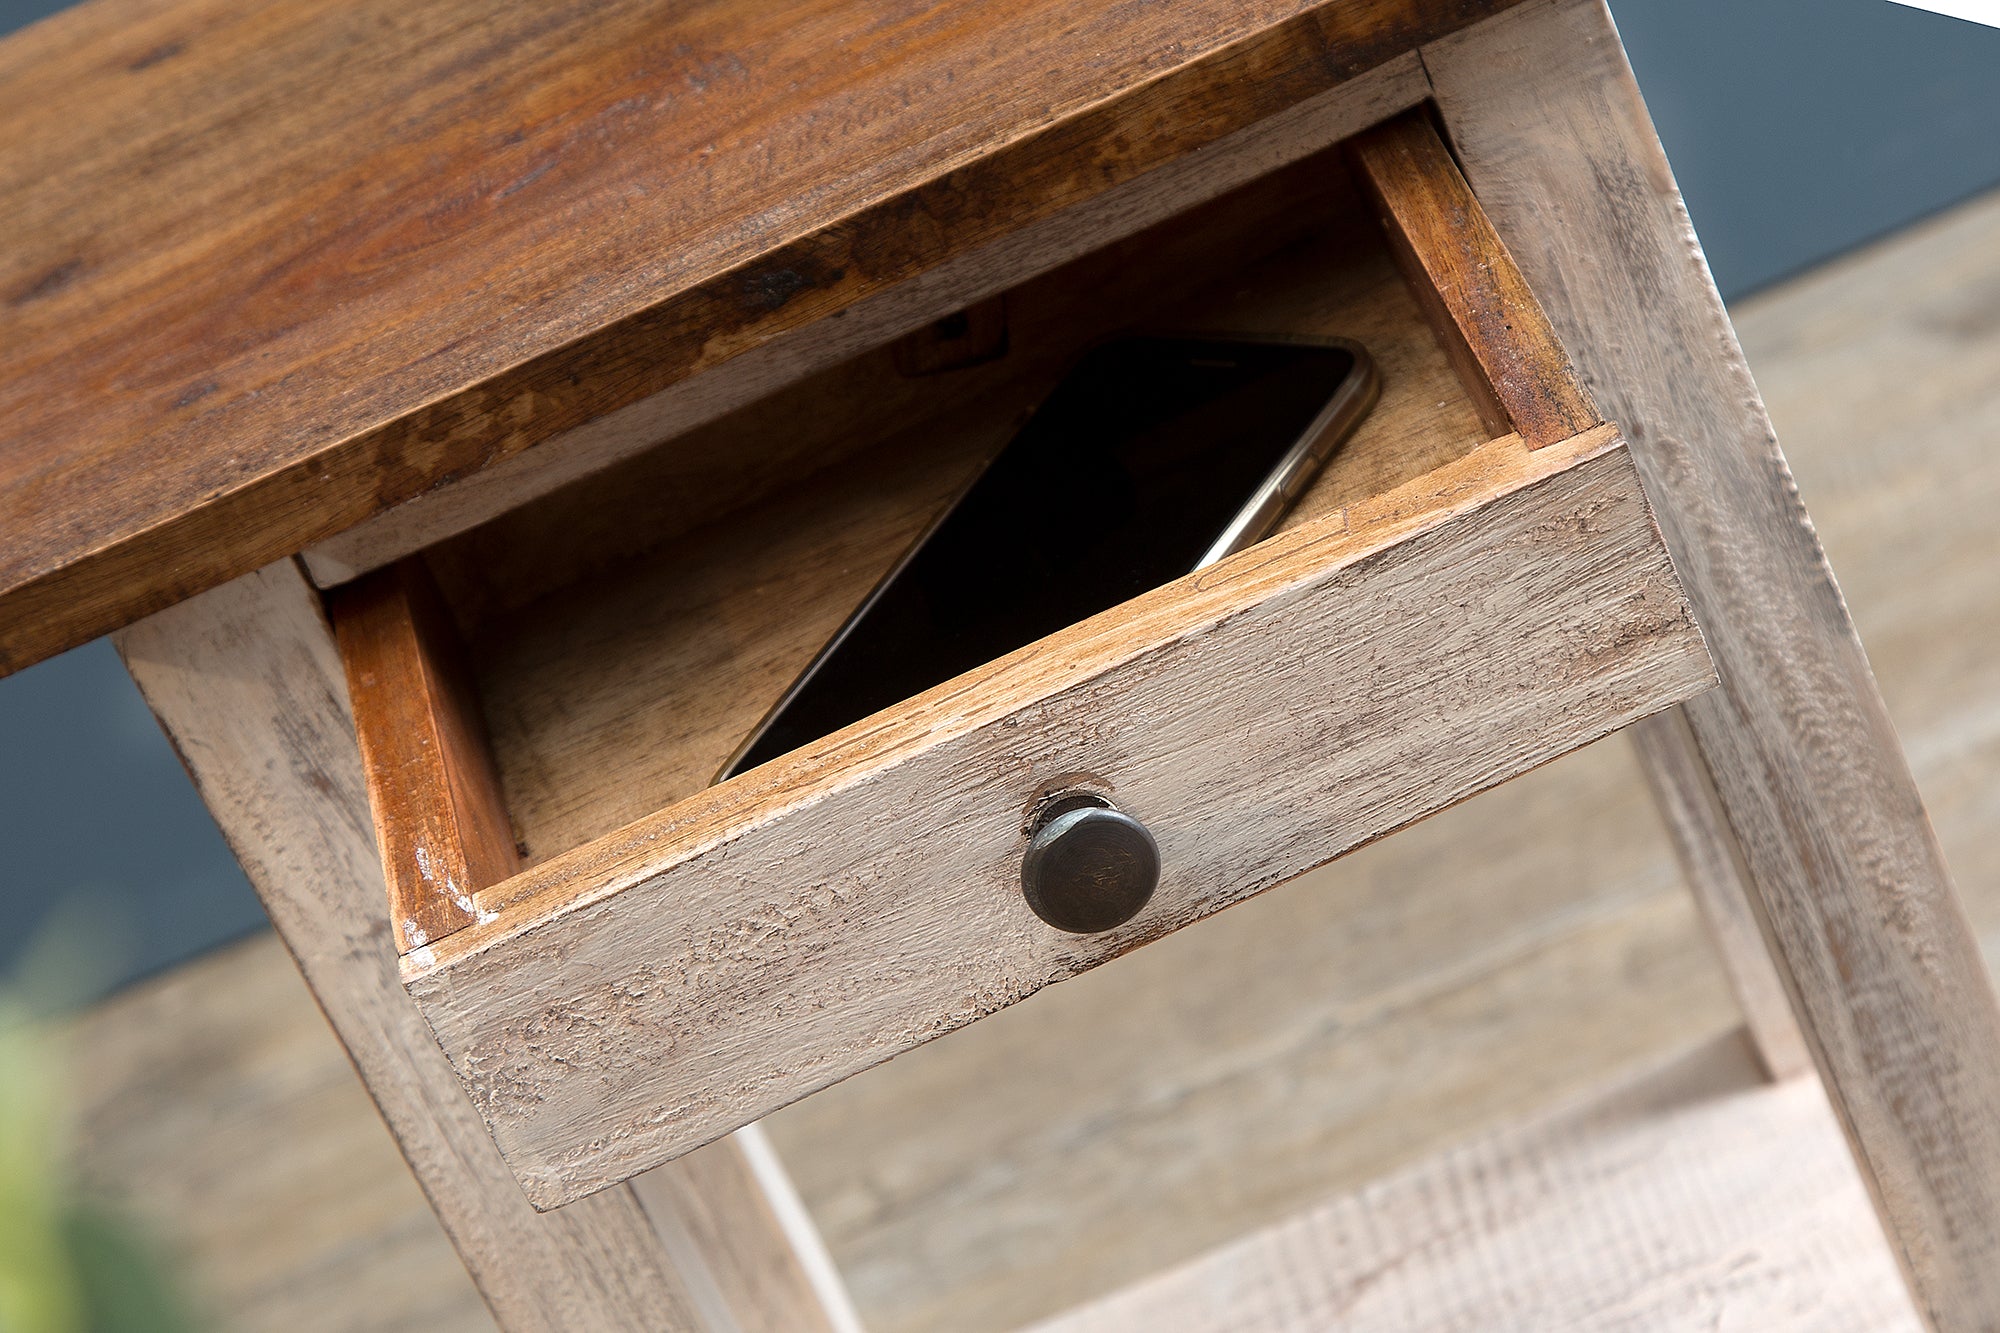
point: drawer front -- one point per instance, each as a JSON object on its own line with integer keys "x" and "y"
{"x": 645, "y": 994}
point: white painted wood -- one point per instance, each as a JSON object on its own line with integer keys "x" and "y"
{"x": 1871, "y": 940}
{"x": 651, "y": 991}
{"x": 246, "y": 681}
{"x": 1698, "y": 1198}
{"x": 1180, "y": 185}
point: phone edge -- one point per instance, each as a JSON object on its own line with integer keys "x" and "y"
{"x": 1267, "y": 505}
{"x": 1317, "y": 445}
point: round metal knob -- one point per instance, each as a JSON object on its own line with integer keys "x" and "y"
{"x": 1089, "y": 868}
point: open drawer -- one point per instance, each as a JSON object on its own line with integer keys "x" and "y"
{"x": 624, "y": 963}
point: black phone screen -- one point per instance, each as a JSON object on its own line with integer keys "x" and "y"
{"x": 1127, "y": 474}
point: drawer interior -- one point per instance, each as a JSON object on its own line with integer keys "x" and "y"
{"x": 625, "y": 634}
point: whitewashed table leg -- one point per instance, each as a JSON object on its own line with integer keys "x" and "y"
{"x": 1868, "y": 934}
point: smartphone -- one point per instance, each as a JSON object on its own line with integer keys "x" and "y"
{"x": 1154, "y": 457}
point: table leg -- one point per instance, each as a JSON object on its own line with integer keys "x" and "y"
{"x": 247, "y": 683}
{"x": 1868, "y": 934}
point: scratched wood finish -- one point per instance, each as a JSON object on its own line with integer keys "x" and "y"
{"x": 708, "y": 964}
{"x": 617, "y": 680}
{"x": 963, "y": 338}
{"x": 272, "y": 271}
{"x": 800, "y": 434}
{"x": 1172, "y": 190}
{"x": 1693, "y": 1198}
{"x": 1509, "y": 357}
{"x": 439, "y": 815}
{"x": 1869, "y": 935}
{"x": 247, "y": 682}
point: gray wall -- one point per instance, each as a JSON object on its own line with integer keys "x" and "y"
{"x": 1801, "y": 128}
{"x": 1798, "y": 130}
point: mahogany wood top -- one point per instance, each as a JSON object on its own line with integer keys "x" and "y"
{"x": 271, "y": 270}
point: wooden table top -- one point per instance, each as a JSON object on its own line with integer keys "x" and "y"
{"x": 272, "y": 270}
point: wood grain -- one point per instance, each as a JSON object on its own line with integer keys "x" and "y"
{"x": 274, "y": 271}
{"x": 706, "y": 965}
{"x": 1870, "y": 938}
{"x": 1693, "y": 1199}
{"x": 799, "y": 435}
{"x": 963, "y": 338}
{"x": 1481, "y": 308}
{"x": 439, "y": 816}
{"x": 618, "y": 676}
{"x": 1184, "y": 184}
{"x": 247, "y": 681}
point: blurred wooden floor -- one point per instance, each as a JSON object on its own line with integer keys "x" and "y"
{"x": 1508, "y": 955}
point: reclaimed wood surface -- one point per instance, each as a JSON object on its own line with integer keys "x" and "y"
{"x": 1168, "y": 192}
{"x": 963, "y": 338}
{"x": 627, "y": 639}
{"x": 706, "y": 965}
{"x": 272, "y": 271}
{"x": 1693, "y": 1199}
{"x": 1870, "y": 938}
{"x": 439, "y": 816}
{"x": 1298, "y": 1047}
{"x": 248, "y": 684}
{"x": 1484, "y": 312}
